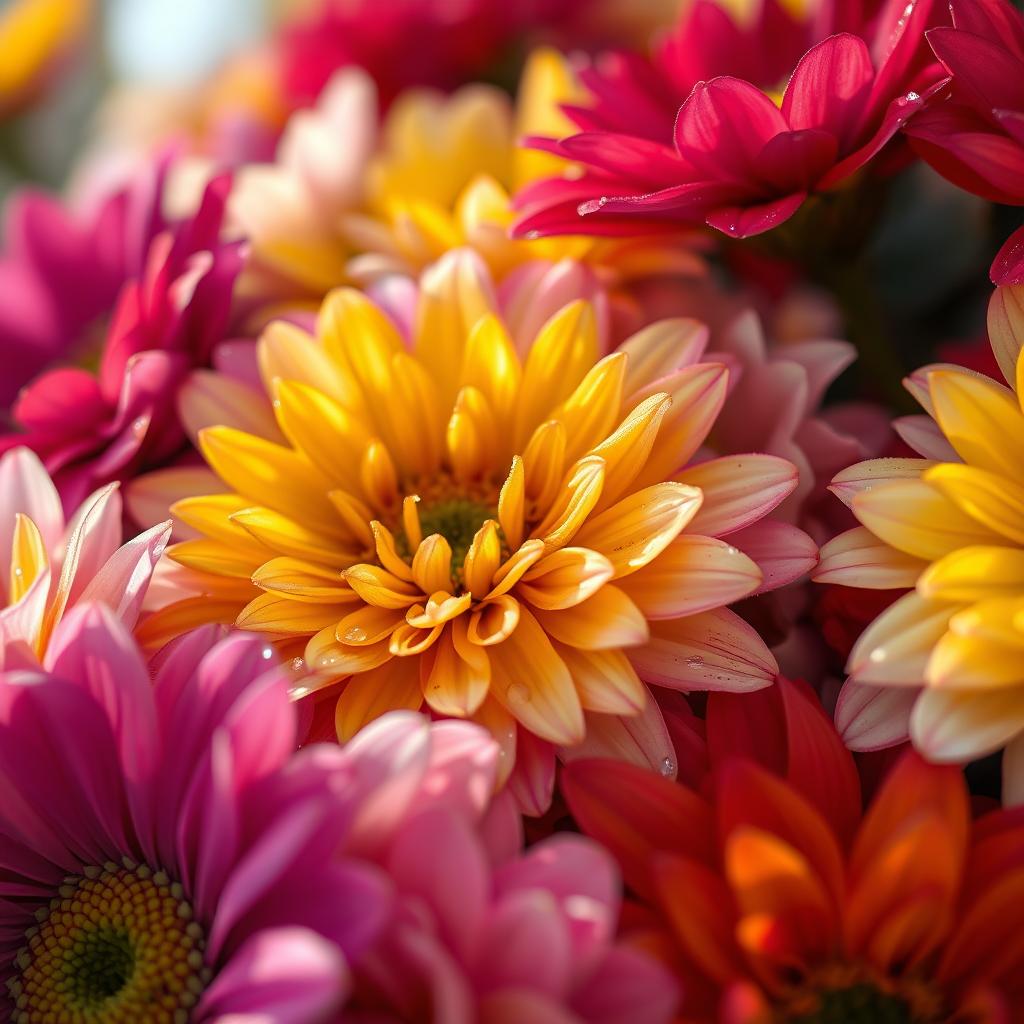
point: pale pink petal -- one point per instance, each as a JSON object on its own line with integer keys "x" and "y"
{"x": 122, "y": 582}
{"x": 26, "y": 487}
{"x": 626, "y": 987}
{"x": 462, "y": 769}
{"x": 874, "y": 717}
{"x": 282, "y": 974}
{"x": 149, "y": 498}
{"x": 783, "y": 553}
{"x": 641, "y": 739}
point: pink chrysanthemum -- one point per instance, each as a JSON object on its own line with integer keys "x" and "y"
{"x": 482, "y": 932}
{"x": 48, "y": 566}
{"x": 163, "y": 857}
{"x": 141, "y": 299}
{"x": 711, "y": 132}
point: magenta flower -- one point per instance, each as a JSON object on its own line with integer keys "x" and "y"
{"x": 975, "y": 137}
{"x": 164, "y": 856}
{"x": 744, "y": 153}
{"x": 483, "y": 933}
{"x": 166, "y": 291}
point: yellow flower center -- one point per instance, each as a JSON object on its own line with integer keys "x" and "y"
{"x": 116, "y": 944}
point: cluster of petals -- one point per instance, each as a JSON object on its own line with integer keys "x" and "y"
{"x": 776, "y": 897}
{"x": 109, "y": 310}
{"x": 732, "y": 155}
{"x": 525, "y": 536}
{"x": 377, "y": 877}
{"x": 49, "y": 565}
{"x": 942, "y": 663}
{"x": 348, "y": 200}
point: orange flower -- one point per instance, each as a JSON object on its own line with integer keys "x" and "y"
{"x": 776, "y": 900}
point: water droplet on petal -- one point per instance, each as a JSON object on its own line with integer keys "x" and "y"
{"x": 19, "y": 571}
{"x": 354, "y": 635}
{"x": 532, "y": 236}
{"x": 298, "y": 664}
{"x": 518, "y": 694}
{"x": 667, "y": 767}
{"x": 299, "y": 692}
{"x": 913, "y": 97}
{"x": 139, "y": 427}
{"x": 267, "y": 653}
{"x": 695, "y": 661}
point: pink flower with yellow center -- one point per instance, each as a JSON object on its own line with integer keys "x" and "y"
{"x": 526, "y": 537}
{"x": 943, "y": 664}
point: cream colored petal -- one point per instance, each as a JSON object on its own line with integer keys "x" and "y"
{"x": 894, "y": 650}
{"x": 958, "y": 726}
{"x": 714, "y": 650}
{"x": 693, "y": 574}
{"x": 866, "y": 475}
{"x": 857, "y": 558}
{"x": 662, "y": 348}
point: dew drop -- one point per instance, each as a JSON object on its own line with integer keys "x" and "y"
{"x": 19, "y": 571}
{"x": 532, "y": 236}
{"x": 667, "y": 767}
{"x": 267, "y": 653}
{"x": 327, "y": 660}
{"x": 298, "y": 664}
{"x": 139, "y": 427}
{"x": 695, "y": 661}
{"x": 354, "y": 635}
{"x": 518, "y": 694}
{"x": 299, "y": 692}
{"x": 912, "y": 97}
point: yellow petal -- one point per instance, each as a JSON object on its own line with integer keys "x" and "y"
{"x": 326, "y": 655}
{"x": 407, "y": 641}
{"x": 28, "y": 557}
{"x": 991, "y": 500}
{"x": 917, "y": 518}
{"x": 214, "y": 557}
{"x": 492, "y": 366}
{"x": 356, "y": 516}
{"x": 544, "y": 463}
{"x": 637, "y": 529}
{"x": 605, "y": 621}
{"x": 982, "y": 420}
{"x": 281, "y": 616}
{"x": 512, "y": 569}
{"x": 857, "y": 558}
{"x": 494, "y": 621}
{"x": 693, "y": 574}
{"x": 605, "y": 680}
{"x": 564, "y": 578}
{"x": 368, "y": 625}
{"x": 211, "y": 514}
{"x": 482, "y": 560}
{"x": 459, "y": 677}
{"x": 974, "y": 574}
{"x": 387, "y": 553}
{"x": 440, "y": 608}
{"x": 393, "y": 686}
{"x": 563, "y": 351}
{"x": 512, "y": 504}
{"x": 303, "y": 581}
{"x": 593, "y": 408}
{"x": 290, "y": 537}
{"x": 969, "y": 662}
{"x": 378, "y": 476}
{"x": 379, "y": 587}
{"x": 432, "y": 564}
{"x": 578, "y": 496}
{"x": 286, "y": 352}
{"x": 328, "y": 435}
{"x": 999, "y": 620}
{"x": 534, "y": 685}
{"x": 626, "y": 449}
{"x": 268, "y": 474}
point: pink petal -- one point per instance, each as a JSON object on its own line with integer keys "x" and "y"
{"x": 641, "y": 739}
{"x": 626, "y": 987}
{"x": 874, "y": 717}
{"x": 282, "y": 974}
{"x": 783, "y": 553}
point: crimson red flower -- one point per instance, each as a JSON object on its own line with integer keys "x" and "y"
{"x": 740, "y": 157}
{"x": 975, "y": 137}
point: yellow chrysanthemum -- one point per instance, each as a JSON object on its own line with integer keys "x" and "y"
{"x": 950, "y": 526}
{"x": 34, "y": 36}
{"x": 504, "y": 535}
{"x": 344, "y": 206}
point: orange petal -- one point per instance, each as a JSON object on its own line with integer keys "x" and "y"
{"x": 282, "y": 616}
{"x": 634, "y": 531}
{"x": 459, "y": 677}
{"x": 534, "y": 685}
{"x": 432, "y": 564}
{"x": 494, "y": 621}
{"x": 482, "y": 560}
{"x": 605, "y": 621}
{"x": 379, "y": 587}
{"x": 564, "y": 578}
{"x": 605, "y": 680}
{"x": 368, "y": 625}
{"x": 573, "y": 504}
{"x": 393, "y": 686}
